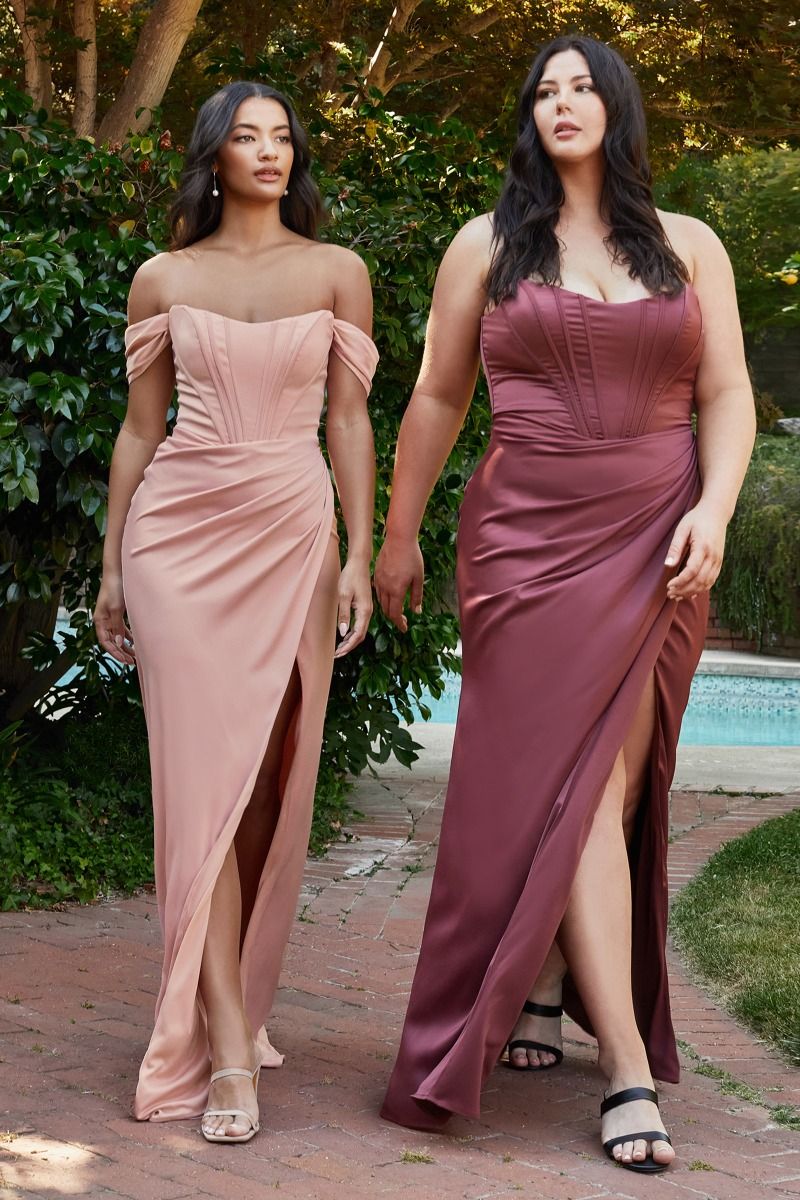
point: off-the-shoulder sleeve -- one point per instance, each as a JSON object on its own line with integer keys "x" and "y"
{"x": 144, "y": 341}
{"x": 356, "y": 350}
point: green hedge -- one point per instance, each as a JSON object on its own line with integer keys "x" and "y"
{"x": 758, "y": 591}
{"x": 75, "y": 222}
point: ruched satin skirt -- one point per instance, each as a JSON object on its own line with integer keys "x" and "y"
{"x": 564, "y": 615}
{"x": 223, "y": 550}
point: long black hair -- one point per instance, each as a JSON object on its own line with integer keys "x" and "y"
{"x": 525, "y": 244}
{"x": 196, "y": 213}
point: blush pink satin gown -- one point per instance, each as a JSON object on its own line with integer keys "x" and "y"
{"x": 222, "y": 551}
{"x": 562, "y": 538}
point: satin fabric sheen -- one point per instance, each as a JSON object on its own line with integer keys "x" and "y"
{"x": 222, "y": 550}
{"x": 563, "y": 533}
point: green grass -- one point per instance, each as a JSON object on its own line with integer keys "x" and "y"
{"x": 738, "y": 925}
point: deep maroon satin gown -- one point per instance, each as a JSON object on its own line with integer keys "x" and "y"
{"x": 562, "y": 538}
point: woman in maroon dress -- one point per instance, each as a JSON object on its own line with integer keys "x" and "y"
{"x": 590, "y": 534}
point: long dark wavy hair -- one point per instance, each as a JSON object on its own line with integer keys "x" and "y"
{"x": 525, "y": 244}
{"x": 196, "y": 213}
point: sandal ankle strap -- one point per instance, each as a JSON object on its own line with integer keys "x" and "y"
{"x": 542, "y": 1010}
{"x": 226, "y": 1071}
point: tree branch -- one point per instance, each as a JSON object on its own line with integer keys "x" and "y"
{"x": 784, "y": 130}
{"x": 379, "y": 63}
{"x": 412, "y": 62}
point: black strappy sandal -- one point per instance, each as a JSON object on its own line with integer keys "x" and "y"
{"x": 649, "y": 1166}
{"x": 537, "y": 1010}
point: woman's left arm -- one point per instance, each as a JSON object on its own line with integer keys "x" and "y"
{"x": 726, "y": 423}
{"x": 348, "y": 434}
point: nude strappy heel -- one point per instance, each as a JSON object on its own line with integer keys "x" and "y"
{"x": 233, "y": 1112}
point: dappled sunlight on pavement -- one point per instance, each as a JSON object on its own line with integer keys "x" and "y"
{"x": 77, "y": 990}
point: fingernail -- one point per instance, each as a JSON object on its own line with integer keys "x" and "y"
{"x": 669, "y": 562}
{"x": 343, "y": 627}
{"x": 418, "y": 609}
{"x": 118, "y": 640}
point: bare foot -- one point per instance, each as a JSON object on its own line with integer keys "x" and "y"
{"x": 534, "y": 1028}
{"x": 232, "y": 1092}
{"x": 632, "y": 1117}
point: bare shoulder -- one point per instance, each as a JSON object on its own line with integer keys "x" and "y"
{"x": 693, "y": 240}
{"x": 348, "y": 282}
{"x": 470, "y": 252}
{"x": 340, "y": 264}
{"x": 150, "y": 287}
{"x": 475, "y": 237}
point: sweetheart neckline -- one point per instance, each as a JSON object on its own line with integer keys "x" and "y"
{"x": 273, "y": 321}
{"x": 551, "y": 287}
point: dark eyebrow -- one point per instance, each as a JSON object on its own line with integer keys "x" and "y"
{"x": 584, "y": 75}
{"x": 244, "y": 125}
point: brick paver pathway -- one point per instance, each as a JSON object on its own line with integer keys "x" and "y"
{"x": 76, "y": 998}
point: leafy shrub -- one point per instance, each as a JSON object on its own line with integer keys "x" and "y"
{"x": 91, "y": 216}
{"x": 75, "y": 813}
{"x": 758, "y": 589}
{"x": 752, "y": 201}
{"x": 60, "y": 842}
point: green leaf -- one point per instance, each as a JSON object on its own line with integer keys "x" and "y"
{"x": 29, "y": 487}
{"x": 64, "y": 443}
{"x": 90, "y": 501}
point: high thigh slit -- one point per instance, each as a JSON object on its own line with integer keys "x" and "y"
{"x": 563, "y": 532}
{"x": 228, "y": 541}
{"x": 263, "y": 808}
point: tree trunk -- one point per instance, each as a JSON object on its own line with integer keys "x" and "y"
{"x": 35, "y": 20}
{"x": 83, "y": 116}
{"x": 163, "y": 36}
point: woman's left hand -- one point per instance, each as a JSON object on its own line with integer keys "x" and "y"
{"x": 355, "y": 597}
{"x": 700, "y": 534}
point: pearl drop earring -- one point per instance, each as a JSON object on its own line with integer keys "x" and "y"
{"x": 215, "y": 189}
{"x": 286, "y": 193}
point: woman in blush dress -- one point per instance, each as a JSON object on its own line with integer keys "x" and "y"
{"x": 222, "y": 549}
{"x": 589, "y": 536}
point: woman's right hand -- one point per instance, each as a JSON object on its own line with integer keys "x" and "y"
{"x": 109, "y": 621}
{"x": 399, "y": 569}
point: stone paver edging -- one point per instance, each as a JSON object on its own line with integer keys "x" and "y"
{"x": 76, "y": 998}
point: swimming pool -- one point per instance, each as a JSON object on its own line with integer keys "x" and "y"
{"x": 723, "y": 710}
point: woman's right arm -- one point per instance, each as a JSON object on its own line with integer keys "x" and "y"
{"x": 435, "y": 413}
{"x": 143, "y": 430}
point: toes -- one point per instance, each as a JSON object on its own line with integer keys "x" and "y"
{"x": 663, "y": 1152}
{"x": 639, "y": 1151}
